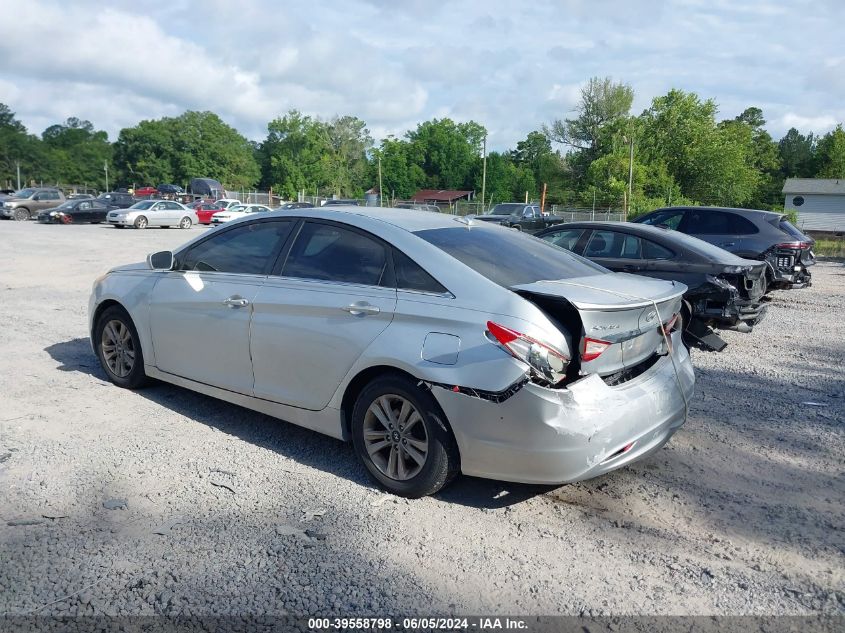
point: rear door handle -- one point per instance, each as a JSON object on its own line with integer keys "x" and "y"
{"x": 628, "y": 268}
{"x": 236, "y": 301}
{"x": 728, "y": 244}
{"x": 359, "y": 308}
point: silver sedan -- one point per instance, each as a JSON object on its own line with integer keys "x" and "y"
{"x": 436, "y": 344}
{"x": 153, "y": 213}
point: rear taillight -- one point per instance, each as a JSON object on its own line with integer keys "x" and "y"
{"x": 548, "y": 363}
{"x": 794, "y": 245}
{"x": 592, "y": 348}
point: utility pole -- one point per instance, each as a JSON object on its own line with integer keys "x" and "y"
{"x": 106, "y": 169}
{"x": 380, "y": 188}
{"x": 18, "y": 166}
{"x": 630, "y": 174}
{"x": 484, "y": 173}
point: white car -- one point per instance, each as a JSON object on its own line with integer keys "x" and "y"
{"x": 153, "y": 213}
{"x": 227, "y": 203}
{"x": 239, "y": 211}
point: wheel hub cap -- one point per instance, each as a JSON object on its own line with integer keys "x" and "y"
{"x": 118, "y": 348}
{"x": 395, "y": 437}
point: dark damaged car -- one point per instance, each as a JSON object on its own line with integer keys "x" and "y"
{"x": 723, "y": 290}
{"x": 749, "y": 233}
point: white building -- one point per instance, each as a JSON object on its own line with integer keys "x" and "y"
{"x": 820, "y": 203}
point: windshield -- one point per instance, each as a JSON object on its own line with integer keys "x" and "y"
{"x": 23, "y": 193}
{"x": 509, "y": 258}
{"x": 145, "y": 204}
{"x": 505, "y": 209}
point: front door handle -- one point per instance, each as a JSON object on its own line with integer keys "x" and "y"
{"x": 629, "y": 268}
{"x": 360, "y": 308}
{"x": 236, "y": 302}
{"x": 723, "y": 244}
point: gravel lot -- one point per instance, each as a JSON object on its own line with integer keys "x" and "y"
{"x": 224, "y": 511}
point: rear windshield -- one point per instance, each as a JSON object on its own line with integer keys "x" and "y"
{"x": 509, "y": 258}
{"x": 787, "y": 227}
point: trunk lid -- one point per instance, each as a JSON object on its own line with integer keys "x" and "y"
{"x": 617, "y": 309}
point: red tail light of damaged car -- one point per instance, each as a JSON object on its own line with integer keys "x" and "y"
{"x": 548, "y": 363}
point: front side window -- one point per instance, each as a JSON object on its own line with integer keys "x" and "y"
{"x": 509, "y": 258}
{"x": 332, "y": 253}
{"x": 248, "y": 249}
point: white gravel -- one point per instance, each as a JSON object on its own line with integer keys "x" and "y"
{"x": 219, "y": 510}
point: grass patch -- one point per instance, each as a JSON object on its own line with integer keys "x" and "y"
{"x": 830, "y": 247}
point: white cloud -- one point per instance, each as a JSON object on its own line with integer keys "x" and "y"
{"x": 395, "y": 64}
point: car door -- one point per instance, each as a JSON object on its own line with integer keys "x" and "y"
{"x": 82, "y": 211}
{"x": 98, "y": 211}
{"x": 331, "y": 297}
{"x": 200, "y": 314}
{"x": 614, "y": 250}
{"x": 712, "y": 226}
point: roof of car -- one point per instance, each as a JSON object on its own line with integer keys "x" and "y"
{"x": 760, "y": 212}
{"x": 407, "y": 219}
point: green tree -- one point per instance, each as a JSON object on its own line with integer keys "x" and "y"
{"x": 796, "y": 153}
{"x": 401, "y": 176}
{"x": 762, "y": 157}
{"x": 507, "y": 181}
{"x": 18, "y": 146}
{"x": 193, "y": 145}
{"x": 603, "y": 102}
{"x": 346, "y": 168}
{"x": 78, "y": 153}
{"x": 710, "y": 163}
{"x": 447, "y": 152}
{"x": 830, "y": 154}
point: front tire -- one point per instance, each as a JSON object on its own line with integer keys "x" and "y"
{"x": 21, "y": 214}
{"x": 401, "y": 437}
{"x": 185, "y": 223}
{"x": 141, "y": 222}
{"x": 119, "y": 348}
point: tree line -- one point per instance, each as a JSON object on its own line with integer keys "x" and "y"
{"x": 682, "y": 153}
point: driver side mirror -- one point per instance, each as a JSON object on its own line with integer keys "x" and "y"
{"x": 162, "y": 260}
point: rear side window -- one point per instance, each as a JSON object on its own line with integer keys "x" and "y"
{"x": 411, "y": 276}
{"x": 709, "y": 222}
{"x": 248, "y": 249}
{"x": 509, "y": 258}
{"x": 787, "y": 227}
{"x": 331, "y": 253}
{"x": 651, "y": 250}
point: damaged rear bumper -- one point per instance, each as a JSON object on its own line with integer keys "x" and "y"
{"x": 555, "y": 436}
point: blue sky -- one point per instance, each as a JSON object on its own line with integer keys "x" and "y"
{"x": 509, "y": 65}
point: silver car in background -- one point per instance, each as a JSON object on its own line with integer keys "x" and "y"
{"x": 153, "y": 213}
{"x": 436, "y": 344}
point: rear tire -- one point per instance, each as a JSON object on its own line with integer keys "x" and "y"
{"x": 119, "y": 348}
{"x": 141, "y": 222}
{"x": 185, "y": 223}
{"x": 21, "y": 214}
{"x": 395, "y": 421}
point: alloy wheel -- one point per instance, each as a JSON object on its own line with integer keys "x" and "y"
{"x": 141, "y": 222}
{"x": 118, "y": 348}
{"x": 395, "y": 437}
{"x": 185, "y": 223}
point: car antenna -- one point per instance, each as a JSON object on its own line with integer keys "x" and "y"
{"x": 465, "y": 220}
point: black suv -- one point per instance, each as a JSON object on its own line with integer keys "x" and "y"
{"x": 117, "y": 199}
{"x": 749, "y": 233}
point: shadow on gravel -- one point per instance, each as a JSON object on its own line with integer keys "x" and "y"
{"x": 301, "y": 445}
